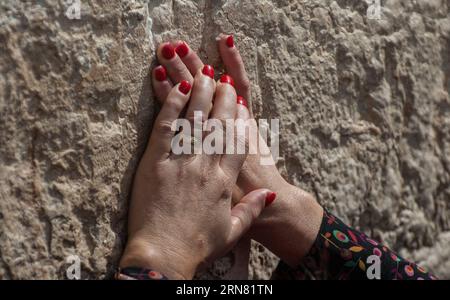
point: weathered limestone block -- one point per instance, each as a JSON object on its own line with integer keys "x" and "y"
{"x": 363, "y": 104}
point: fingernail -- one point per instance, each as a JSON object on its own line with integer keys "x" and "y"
{"x": 160, "y": 73}
{"x": 230, "y": 41}
{"x": 168, "y": 52}
{"x": 182, "y": 50}
{"x": 185, "y": 87}
{"x": 208, "y": 71}
{"x": 270, "y": 197}
{"x": 241, "y": 100}
{"x": 227, "y": 79}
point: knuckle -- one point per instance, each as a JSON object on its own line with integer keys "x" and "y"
{"x": 174, "y": 104}
{"x": 164, "y": 128}
{"x": 222, "y": 120}
{"x": 227, "y": 183}
{"x": 193, "y": 119}
{"x": 239, "y": 222}
{"x": 242, "y": 141}
{"x": 227, "y": 194}
{"x": 179, "y": 68}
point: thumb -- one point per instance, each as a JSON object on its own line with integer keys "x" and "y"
{"x": 247, "y": 211}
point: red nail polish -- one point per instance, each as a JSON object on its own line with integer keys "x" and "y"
{"x": 230, "y": 41}
{"x": 182, "y": 50}
{"x": 160, "y": 73}
{"x": 185, "y": 87}
{"x": 208, "y": 71}
{"x": 270, "y": 197}
{"x": 227, "y": 79}
{"x": 168, "y": 52}
{"x": 241, "y": 100}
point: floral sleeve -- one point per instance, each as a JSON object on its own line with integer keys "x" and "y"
{"x": 341, "y": 252}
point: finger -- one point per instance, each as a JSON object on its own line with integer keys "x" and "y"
{"x": 175, "y": 67}
{"x": 232, "y": 163}
{"x": 223, "y": 110}
{"x": 225, "y": 100}
{"x": 161, "y": 83}
{"x": 163, "y": 133}
{"x": 237, "y": 195}
{"x": 247, "y": 211}
{"x": 189, "y": 57}
{"x": 234, "y": 64}
{"x": 202, "y": 93}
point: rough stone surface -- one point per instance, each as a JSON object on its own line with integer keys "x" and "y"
{"x": 364, "y": 108}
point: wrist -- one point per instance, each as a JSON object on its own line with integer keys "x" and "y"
{"x": 171, "y": 264}
{"x": 289, "y": 227}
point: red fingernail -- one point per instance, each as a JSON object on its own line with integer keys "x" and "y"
{"x": 182, "y": 50}
{"x": 227, "y": 79}
{"x": 160, "y": 73}
{"x": 241, "y": 100}
{"x": 270, "y": 197}
{"x": 185, "y": 87}
{"x": 230, "y": 41}
{"x": 168, "y": 52}
{"x": 208, "y": 71}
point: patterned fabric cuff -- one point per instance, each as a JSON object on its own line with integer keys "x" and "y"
{"x": 341, "y": 252}
{"x": 136, "y": 273}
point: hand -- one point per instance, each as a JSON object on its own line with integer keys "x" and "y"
{"x": 289, "y": 226}
{"x": 180, "y": 214}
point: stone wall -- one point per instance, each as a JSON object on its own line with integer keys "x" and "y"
{"x": 364, "y": 108}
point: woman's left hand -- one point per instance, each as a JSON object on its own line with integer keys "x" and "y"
{"x": 181, "y": 214}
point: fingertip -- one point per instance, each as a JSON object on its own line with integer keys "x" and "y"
{"x": 258, "y": 200}
{"x": 160, "y": 73}
{"x": 161, "y": 83}
{"x": 259, "y": 195}
{"x": 242, "y": 101}
{"x": 227, "y": 79}
{"x": 182, "y": 49}
{"x": 166, "y": 51}
{"x": 246, "y": 212}
{"x": 208, "y": 70}
{"x": 270, "y": 198}
{"x": 229, "y": 41}
{"x": 184, "y": 87}
{"x": 204, "y": 78}
{"x": 226, "y": 85}
{"x": 226, "y": 40}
